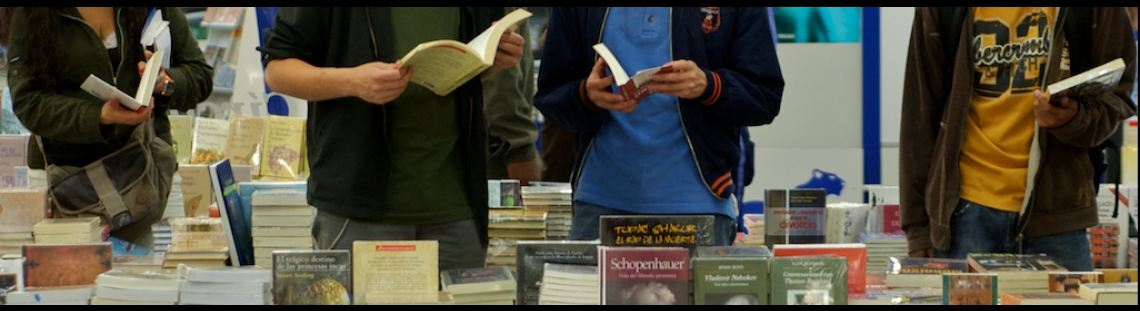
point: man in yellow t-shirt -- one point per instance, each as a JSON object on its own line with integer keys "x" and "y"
{"x": 988, "y": 162}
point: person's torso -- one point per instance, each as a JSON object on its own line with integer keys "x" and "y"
{"x": 1010, "y": 48}
{"x": 427, "y": 173}
{"x": 642, "y": 161}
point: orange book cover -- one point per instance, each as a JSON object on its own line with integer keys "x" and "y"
{"x": 65, "y": 264}
{"x": 856, "y": 254}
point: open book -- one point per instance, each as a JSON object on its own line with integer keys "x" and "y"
{"x": 141, "y": 100}
{"x": 1095, "y": 80}
{"x": 631, "y": 87}
{"x": 444, "y": 65}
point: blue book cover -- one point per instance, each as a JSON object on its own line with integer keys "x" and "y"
{"x": 235, "y": 223}
{"x": 9, "y": 123}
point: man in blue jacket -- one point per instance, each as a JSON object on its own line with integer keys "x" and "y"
{"x": 675, "y": 152}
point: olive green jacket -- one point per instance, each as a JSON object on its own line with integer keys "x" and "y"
{"x": 66, "y": 117}
{"x": 508, "y": 101}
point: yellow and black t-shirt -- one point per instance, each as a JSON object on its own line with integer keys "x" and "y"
{"x": 1010, "y": 48}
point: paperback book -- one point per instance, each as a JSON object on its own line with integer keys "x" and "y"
{"x": 534, "y": 256}
{"x": 687, "y": 231}
{"x": 921, "y": 272}
{"x": 644, "y": 275}
{"x": 855, "y": 253}
{"x": 395, "y": 272}
{"x": 809, "y": 280}
{"x": 312, "y": 277}
{"x": 569, "y": 284}
{"x": 795, "y": 216}
{"x": 731, "y": 275}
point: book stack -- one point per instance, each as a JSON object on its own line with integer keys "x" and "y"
{"x": 197, "y": 242}
{"x": 921, "y": 272}
{"x": 282, "y": 220}
{"x": 52, "y": 295}
{"x": 20, "y": 211}
{"x": 506, "y": 227}
{"x": 880, "y": 247}
{"x": 493, "y": 285}
{"x": 1016, "y": 273}
{"x": 118, "y": 287}
{"x": 556, "y": 199}
{"x": 754, "y": 226}
{"x": 162, "y": 237}
{"x": 244, "y": 285}
{"x": 1043, "y": 299}
{"x": 68, "y": 231}
{"x": 569, "y": 284}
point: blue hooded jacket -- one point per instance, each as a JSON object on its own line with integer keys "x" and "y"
{"x": 735, "y": 48}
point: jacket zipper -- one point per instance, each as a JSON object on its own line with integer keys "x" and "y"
{"x": 590, "y": 145}
{"x": 118, "y": 35}
{"x": 1056, "y": 29}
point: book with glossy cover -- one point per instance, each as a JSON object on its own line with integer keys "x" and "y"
{"x": 243, "y": 146}
{"x": 808, "y": 280}
{"x": 856, "y": 254}
{"x": 21, "y": 209}
{"x": 313, "y": 277}
{"x": 65, "y": 264}
{"x": 687, "y": 231}
{"x": 376, "y": 263}
{"x": 731, "y": 275}
{"x": 182, "y": 137}
{"x": 281, "y": 149}
{"x": 210, "y": 139}
{"x": 234, "y": 224}
{"x": 644, "y": 275}
{"x": 970, "y": 289}
{"x": 532, "y": 257}
{"x": 795, "y": 216}
{"x": 474, "y": 281}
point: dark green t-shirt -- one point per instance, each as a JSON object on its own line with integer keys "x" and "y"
{"x": 427, "y": 172}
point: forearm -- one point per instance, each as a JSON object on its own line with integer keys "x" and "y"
{"x": 299, "y": 79}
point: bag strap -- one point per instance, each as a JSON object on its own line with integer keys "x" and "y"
{"x": 109, "y": 196}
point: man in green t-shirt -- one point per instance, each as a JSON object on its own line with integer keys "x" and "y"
{"x": 389, "y": 160}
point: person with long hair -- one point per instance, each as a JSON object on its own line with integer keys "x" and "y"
{"x": 52, "y": 50}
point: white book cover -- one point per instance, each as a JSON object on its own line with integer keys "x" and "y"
{"x": 149, "y": 295}
{"x": 278, "y": 197}
{"x": 137, "y": 280}
{"x": 227, "y": 274}
{"x": 1107, "y": 74}
{"x": 211, "y": 135}
{"x": 51, "y": 294}
{"x": 142, "y": 98}
{"x": 244, "y": 288}
{"x": 215, "y": 299}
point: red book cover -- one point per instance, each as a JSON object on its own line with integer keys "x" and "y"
{"x": 644, "y": 275}
{"x": 892, "y": 222}
{"x": 856, "y": 254}
{"x": 65, "y": 264}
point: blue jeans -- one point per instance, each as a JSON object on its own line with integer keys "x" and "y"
{"x": 976, "y": 228}
{"x": 584, "y": 225}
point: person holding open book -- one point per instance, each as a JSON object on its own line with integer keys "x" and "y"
{"x": 53, "y": 50}
{"x": 676, "y": 151}
{"x": 988, "y": 162}
{"x": 389, "y": 159}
